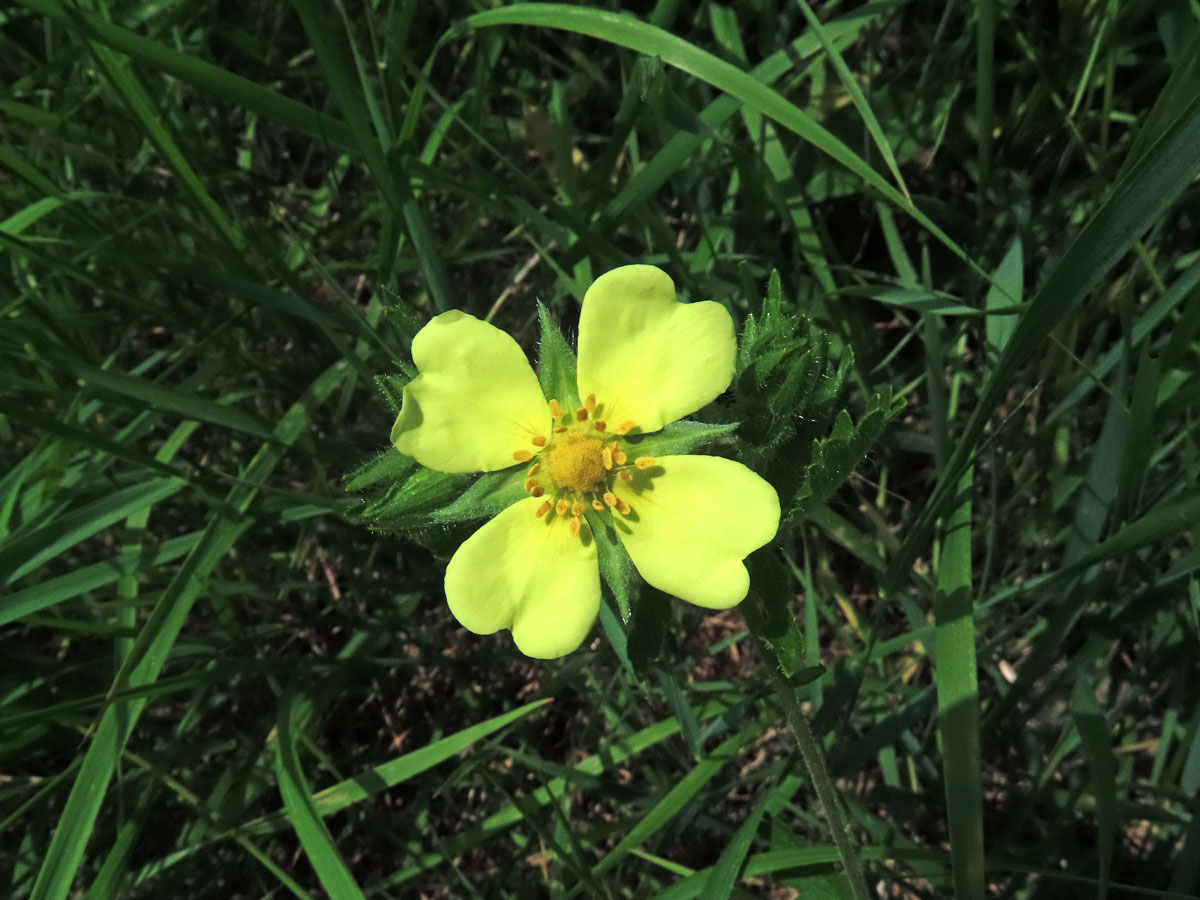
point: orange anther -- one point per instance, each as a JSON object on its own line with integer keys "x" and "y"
{"x": 561, "y": 507}
{"x": 556, "y": 409}
{"x": 543, "y": 509}
{"x": 575, "y": 526}
{"x": 625, "y": 476}
{"x": 644, "y": 462}
{"x": 522, "y": 456}
{"x": 560, "y": 429}
{"x": 577, "y": 508}
{"x": 619, "y": 457}
{"x": 539, "y": 441}
{"x": 607, "y": 456}
{"x": 581, "y": 414}
{"x": 610, "y": 498}
{"x": 622, "y": 507}
{"x": 626, "y": 426}
{"x": 597, "y": 506}
{"x": 600, "y": 425}
{"x": 590, "y": 403}
{"x": 530, "y": 484}
{"x": 537, "y": 491}
{"x": 534, "y": 469}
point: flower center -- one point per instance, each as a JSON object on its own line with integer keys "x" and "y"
{"x": 577, "y": 463}
{"x": 584, "y": 463}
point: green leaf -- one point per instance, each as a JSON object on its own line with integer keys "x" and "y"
{"x": 769, "y": 612}
{"x": 556, "y": 363}
{"x": 651, "y": 616}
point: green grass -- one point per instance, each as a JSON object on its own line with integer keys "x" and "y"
{"x": 217, "y": 229}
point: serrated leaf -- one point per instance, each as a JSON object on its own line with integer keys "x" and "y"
{"x": 679, "y": 437}
{"x": 556, "y": 363}
{"x": 488, "y": 494}
{"x": 615, "y": 566}
{"x": 835, "y": 457}
{"x": 390, "y": 466}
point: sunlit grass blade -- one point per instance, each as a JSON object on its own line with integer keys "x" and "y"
{"x": 958, "y": 699}
{"x": 315, "y": 838}
{"x": 153, "y": 645}
{"x": 1136, "y": 202}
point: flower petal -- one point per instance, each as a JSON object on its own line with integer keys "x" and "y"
{"x": 476, "y": 401}
{"x": 530, "y": 575}
{"x": 647, "y": 357}
{"x": 692, "y": 521}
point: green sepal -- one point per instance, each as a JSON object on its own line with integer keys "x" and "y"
{"x": 392, "y": 388}
{"x": 835, "y": 457}
{"x": 407, "y": 504}
{"x": 556, "y": 363}
{"x": 768, "y": 611}
{"x": 678, "y": 437}
{"x": 391, "y": 465}
{"x": 615, "y": 566}
{"x": 488, "y": 494}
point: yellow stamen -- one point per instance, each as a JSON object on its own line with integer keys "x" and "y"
{"x": 626, "y": 426}
{"x": 644, "y": 462}
{"x": 560, "y": 429}
{"x": 581, "y": 414}
{"x": 597, "y": 506}
{"x": 538, "y": 491}
{"x": 625, "y": 476}
{"x": 522, "y": 456}
{"x": 622, "y": 507}
{"x": 577, "y": 508}
{"x": 534, "y": 469}
{"x": 575, "y": 526}
{"x": 556, "y": 409}
{"x": 619, "y": 457}
{"x": 539, "y": 441}
{"x": 600, "y": 425}
{"x": 590, "y": 403}
{"x": 543, "y": 509}
{"x": 610, "y": 498}
{"x": 607, "y": 456}
{"x": 561, "y": 507}
{"x": 530, "y": 484}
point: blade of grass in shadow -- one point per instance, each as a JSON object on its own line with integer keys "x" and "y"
{"x": 207, "y": 77}
{"x": 396, "y": 191}
{"x": 149, "y": 652}
{"x": 1135, "y": 203}
{"x": 850, "y": 83}
{"x": 626, "y": 31}
{"x": 1097, "y": 748}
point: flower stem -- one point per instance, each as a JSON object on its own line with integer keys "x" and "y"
{"x": 814, "y": 761}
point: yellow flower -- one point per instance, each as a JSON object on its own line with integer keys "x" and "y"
{"x": 645, "y": 360}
